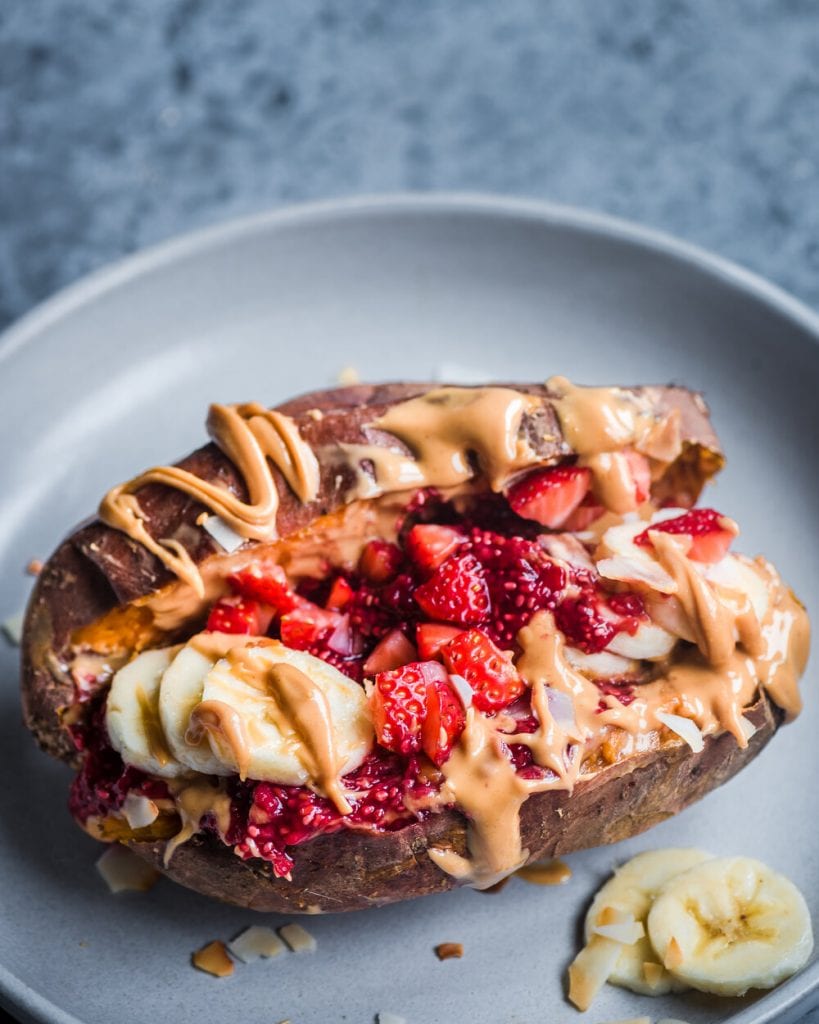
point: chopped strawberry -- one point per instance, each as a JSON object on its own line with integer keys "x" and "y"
{"x": 267, "y": 584}
{"x": 710, "y": 532}
{"x": 640, "y": 474}
{"x": 392, "y": 652}
{"x": 380, "y": 561}
{"x": 238, "y": 615}
{"x": 586, "y": 513}
{"x": 488, "y": 671}
{"x": 549, "y": 496}
{"x": 444, "y": 722}
{"x": 456, "y": 592}
{"x": 432, "y": 636}
{"x": 305, "y": 624}
{"x": 429, "y": 545}
{"x": 341, "y": 593}
{"x": 398, "y": 704}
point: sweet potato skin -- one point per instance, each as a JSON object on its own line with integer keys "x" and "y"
{"x": 98, "y": 568}
{"x": 354, "y": 870}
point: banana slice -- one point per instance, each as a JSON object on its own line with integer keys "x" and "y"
{"x": 731, "y": 924}
{"x": 632, "y": 888}
{"x": 274, "y": 749}
{"x": 132, "y": 715}
{"x": 179, "y": 693}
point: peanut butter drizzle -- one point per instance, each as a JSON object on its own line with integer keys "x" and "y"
{"x": 225, "y": 725}
{"x": 194, "y": 799}
{"x": 551, "y": 872}
{"x": 446, "y": 431}
{"x": 155, "y": 735}
{"x": 249, "y": 435}
{"x": 483, "y": 782}
{"x": 300, "y": 709}
{"x": 713, "y": 622}
{"x": 612, "y": 482}
{"x": 597, "y": 422}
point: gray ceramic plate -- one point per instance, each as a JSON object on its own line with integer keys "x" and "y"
{"x": 116, "y": 373}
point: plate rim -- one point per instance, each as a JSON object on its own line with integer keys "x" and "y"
{"x": 15, "y": 995}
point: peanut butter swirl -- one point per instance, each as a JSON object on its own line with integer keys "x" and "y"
{"x": 252, "y": 437}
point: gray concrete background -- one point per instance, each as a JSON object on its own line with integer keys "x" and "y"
{"x": 122, "y": 123}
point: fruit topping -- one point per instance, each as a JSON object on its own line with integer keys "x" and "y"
{"x": 487, "y": 669}
{"x": 550, "y": 496}
{"x": 431, "y": 637}
{"x": 711, "y": 533}
{"x": 239, "y": 615}
{"x": 456, "y": 592}
{"x": 404, "y": 699}
{"x": 379, "y": 561}
{"x": 429, "y": 545}
{"x": 391, "y": 652}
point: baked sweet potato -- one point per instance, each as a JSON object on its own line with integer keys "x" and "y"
{"x": 103, "y": 597}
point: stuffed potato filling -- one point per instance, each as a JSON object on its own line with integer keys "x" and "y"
{"x": 421, "y": 638}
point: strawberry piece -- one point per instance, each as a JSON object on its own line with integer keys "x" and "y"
{"x": 444, "y": 722}
{"x": 456, "y": 592}
{"x": 488, "y": 671}
{"x": 586, "y": 513}
{"x": 302, "y": 627}
{"x": 238, "y": 615}
{"x": 432, "y": 636}
{"x": 341, "y": 593}
{"x": 266, "y": 584}
{"x": 392, "y": 652}
{"x": 429, "y": 545}
{"x": 640, "y": 474}
{"x": 710, "y": 536}
{"x": 549, "y": 496}
{"x": 398, "y": 704}
{"x": 380, "y": 561}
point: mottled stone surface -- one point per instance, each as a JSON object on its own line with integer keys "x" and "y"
{"x": 122, "y": 123}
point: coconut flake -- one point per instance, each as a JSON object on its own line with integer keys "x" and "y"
{"x": 389, "y": 1018}
{"x": 254, "y": 943}
{"x": 684, "y": 728}
{"x": 634, "y": 569}
{"x": 298, "y": 938}
{"x": 624, "y": 932}
{"x": 213, "y": 959}
{"x": 13, "y": 629}
{"x": 349, "y": 376}
{"x": 561, "y": 708}
{"x": 747, "y": 726}
{"x": 225, "y": 536}
{"x": 139, "y": 810}
{"x": 465, "y": 691}
{"x": 123, "y": 871}
{"x": 591, "y": 969}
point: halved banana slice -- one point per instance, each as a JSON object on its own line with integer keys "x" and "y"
{"x": 274, "y": 750}
{"x": 132, "y": 715}
{"x": 179, "y": 693}
{"x": 729, "y": 925}
{"x": 632, "y": 888}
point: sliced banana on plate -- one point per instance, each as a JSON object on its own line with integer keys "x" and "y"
{"x": 632, "y": 888}
{"x": 729, "y": 925}
{"x": 132, "y": 715}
